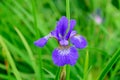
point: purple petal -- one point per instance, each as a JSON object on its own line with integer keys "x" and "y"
{"x": 63, "y": 56}
{"x": 98, "y": 19}
{"x": 41, "y": 42}
{"x": 73, "y": 33}
{"x": 62, "y": 26}
{"x": 55, "y": 35}
{"x": 72, "y": 24}
{"x": 79, "y": 41}
{"x": 64, "y": 42}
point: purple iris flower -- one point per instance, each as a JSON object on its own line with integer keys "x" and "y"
{"x": 97, "y": 16}
{"x": 64, "y": 54}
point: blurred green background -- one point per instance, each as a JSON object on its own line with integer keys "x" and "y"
{"x": 24, "y": 21}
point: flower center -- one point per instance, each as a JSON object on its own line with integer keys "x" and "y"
{"x": 64, "y": 42}
{"x": 64, "y": 51}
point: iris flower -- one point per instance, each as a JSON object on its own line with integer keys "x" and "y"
{"x": 97, "y": 16}
{"x": 64, "y": 53}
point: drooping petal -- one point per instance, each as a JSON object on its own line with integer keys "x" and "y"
{"x": 72, "y": 24}
{"x": 62, "y": 26}
{"x": 63, "y": 56}
{"x": 79, "y": 41}
{"x": 73, "y": 33}
{"x": 42, "y": 41}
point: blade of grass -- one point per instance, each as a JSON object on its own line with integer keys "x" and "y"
{"x": 17, "y": 51}
{"x": 108, "y": 66}
{"x": 2, "y": 66}
{"x": 30, "y": 54}
{"x": 58, "y": 73}
{"x": 5, "y": 77}
{"x": 10, "y": 60}
{"x": 115, "y": 70}
{"x": 53, "y": 7}
{"x": 22, "y": 10}
{"x": 35, "y": 15}
{"x": 21, "y": 16}
{"x": 104, "y": 30}
{"x": 36, "y": 25}
{"x": 86, "y": 66}
{"x": 49, "y": 72}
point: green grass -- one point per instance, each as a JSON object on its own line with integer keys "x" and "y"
{"x": 24, "y": 21}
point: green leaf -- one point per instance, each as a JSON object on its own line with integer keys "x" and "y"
{"x": 10, "y": 60}
{"x": 30, "y": 54}
{"x": 108, "y": 66}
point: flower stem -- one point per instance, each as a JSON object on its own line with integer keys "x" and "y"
{"x": 63, "y": 73}
{"x": 68, "y": 9}
{"x": 86, "y": 65}
{"x": 68, "y": 72}
{"x": 68, "y": 16}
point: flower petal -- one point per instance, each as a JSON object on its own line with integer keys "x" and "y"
{"x": 41, "y": 42}
{"x": 62, "y": 26}
{"x": 79, "y": 41}
{"x": 72, "y": 24}
{"x": 55, "y": 35}
{"x": 98, "y": 19}
{"x": 73, "y": 33}
{"x": 63, "y": 56}
{"x": 64, "y": 42}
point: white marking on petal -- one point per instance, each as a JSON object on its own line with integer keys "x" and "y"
{"x": 64, "y": 42}
{"x": 79, "y": 39}
{"x": 48, "y": 36}
{"x": 64, "y": 51}
{"x": 72, "y": 33}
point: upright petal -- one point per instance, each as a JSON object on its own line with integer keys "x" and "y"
{"x": 55, "y": 34}
{"x": 63, "y": 56}
{"x": 79, "y": 41}
{"x": 72, "y": 24}
{"x": 42, "y": 41}
{"x": 62, "y": 26}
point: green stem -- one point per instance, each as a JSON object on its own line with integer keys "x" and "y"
{"x": 68, "y": 16}
{"x": 68, "y": 72}
{"x": 68, "y": 9}
{"x": 63, "y": 73}
{"x": 86, "y": 66}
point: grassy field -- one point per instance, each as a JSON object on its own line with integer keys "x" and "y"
{"x": 24, "y": 21}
